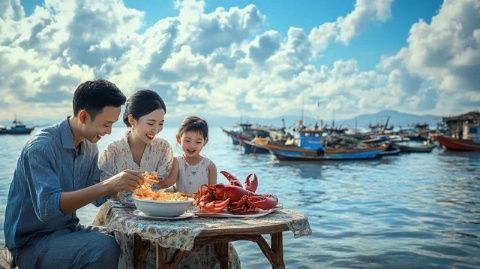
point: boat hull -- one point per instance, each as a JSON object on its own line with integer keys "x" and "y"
{"x": 16, "y": 132}
{"x": 302, "y": 154}
{"x": 250, "y": 147}
{"x": 416, "y": 149}
{"x": 457, "y": 144}
{"x": 233, "y": 136}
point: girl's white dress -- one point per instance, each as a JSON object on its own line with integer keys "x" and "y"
{"x": 158, "y": 156}
{"x": 191, "y": 177}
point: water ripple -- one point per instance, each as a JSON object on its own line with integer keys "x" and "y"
{"x": 407, "y": 211}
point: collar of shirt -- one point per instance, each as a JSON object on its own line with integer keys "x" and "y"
{"x": 66, "y": 137}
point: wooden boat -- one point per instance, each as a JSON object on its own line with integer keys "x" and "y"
{"x": 464, "y": 130}
{"x": 245, "y": 131}
{"x": 457, "y": 144}
{"x": 391, "y": 149}
{"x": 283, "y": 152}
{"x": 232, "y": 135}
{"x": 419, "y": 148}
{"x": 310, "y": 147}
{"x": 251, "y": 147}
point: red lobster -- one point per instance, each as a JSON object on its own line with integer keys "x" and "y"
{"x": 215, "y": 198}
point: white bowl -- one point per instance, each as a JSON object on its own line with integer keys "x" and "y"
{"x": 162, "y": 208}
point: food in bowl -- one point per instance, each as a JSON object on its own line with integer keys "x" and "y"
{"x": 149, "y": 194}
{"x": 150, "y": 177}
{"x": 163, "y": 208}
{"x": 159, "y": 203}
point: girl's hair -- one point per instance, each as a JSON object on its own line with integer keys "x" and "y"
{"x": 194, "y": 124}
{"x": 141, "y": 103}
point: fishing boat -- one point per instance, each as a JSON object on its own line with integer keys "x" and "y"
{"x": 464, "y": 132}
{"x": 17, "y": 128}
{"x": 275, "y": 135}
{"x": 310, "y": 148}
{"x": 415, "y": 148}
{"x": 245, "y": 131}
{"x": 251, "y": 147}
{"x": 390, "y": 149}
{"x": 451, "y": 143}
{"x": 232, "y": 135}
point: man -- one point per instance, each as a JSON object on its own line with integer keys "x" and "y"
{"x": 57, "y": 174}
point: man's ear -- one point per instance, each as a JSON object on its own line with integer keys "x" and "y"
{"x": 206, "y": 141}
{"x": 82, "y": 116}
{"x": 178, "y": 138}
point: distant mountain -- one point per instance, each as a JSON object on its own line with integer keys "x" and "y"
{"x": 397, "y": 119}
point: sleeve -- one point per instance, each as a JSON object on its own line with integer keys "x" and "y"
{"x": 165, "y": 161}
{"x": 43, "y": 182}
{"x": 94, "y": 178}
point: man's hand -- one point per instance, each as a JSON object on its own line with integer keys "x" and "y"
{"x": 124, "y": 181}
{"x": 127, "y": 180}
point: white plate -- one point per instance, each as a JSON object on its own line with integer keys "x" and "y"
{"x": 225, "y": 214}
{"x": 140, "y": 214}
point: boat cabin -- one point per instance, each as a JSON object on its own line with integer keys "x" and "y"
{"x": 471, "y": 133}
{"x": 464, "y": 126}
{"x": 311, "y": 139}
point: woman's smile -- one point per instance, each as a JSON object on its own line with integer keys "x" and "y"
{"x": 149, "y": 136}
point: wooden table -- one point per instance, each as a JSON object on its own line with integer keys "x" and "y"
{"x": 219, "y": 231}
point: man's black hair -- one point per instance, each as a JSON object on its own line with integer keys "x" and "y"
{"x": 93, "y": 96}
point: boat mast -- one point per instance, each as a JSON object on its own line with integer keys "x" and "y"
{"x": 303, "y": 105}
{"x": 355, "y": 125}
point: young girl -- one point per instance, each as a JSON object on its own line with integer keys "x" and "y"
{"x": 193, "y": 171}
{"x": 139, "y": 150}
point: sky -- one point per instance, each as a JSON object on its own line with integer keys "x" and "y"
{"x": 244, "y": 58}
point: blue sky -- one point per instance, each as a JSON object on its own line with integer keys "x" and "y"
{"x": 251, "y": 58}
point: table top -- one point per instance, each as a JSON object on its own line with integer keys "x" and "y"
{"x": 181, "y": 233}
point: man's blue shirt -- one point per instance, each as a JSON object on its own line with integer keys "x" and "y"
{"x": 48, "y": 165}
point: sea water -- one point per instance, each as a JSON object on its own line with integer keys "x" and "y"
{"x": 418, "y": 210}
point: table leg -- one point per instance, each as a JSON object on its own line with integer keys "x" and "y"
{"x": 140, "y": 251}
{"x": 162, "y": 258}
{"x": 277, "y": 248}
{"x": 222, "y": 253}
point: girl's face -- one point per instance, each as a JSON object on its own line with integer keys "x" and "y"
{"x": 192, "y": 143}
{"x": 147, "y": 126}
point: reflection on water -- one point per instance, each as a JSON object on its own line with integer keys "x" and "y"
{"x": 406, "y": 211}
{"x": 305, "y": 170}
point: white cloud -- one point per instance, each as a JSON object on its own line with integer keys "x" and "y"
{"x": 365, "y": 11}
{"x": 345, "y": 28}
{"x": 219, "y": 29}
{"x": 11, "y": 10}
{"x": 264, "y": 46}
{"x": 442, "y": 60}
{"x": 220, "y": 63}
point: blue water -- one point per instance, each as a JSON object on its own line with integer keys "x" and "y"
{"x": 407, "y": 211}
